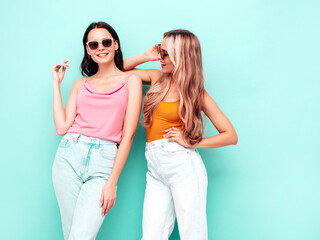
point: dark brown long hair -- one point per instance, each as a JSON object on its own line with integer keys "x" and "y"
{"x": 88, "y": 66}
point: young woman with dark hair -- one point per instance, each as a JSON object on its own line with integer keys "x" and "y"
{"x": 98, "y": 124}
{"x": 172, "y": 110}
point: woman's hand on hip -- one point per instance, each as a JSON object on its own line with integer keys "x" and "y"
{"x": 108, "y": 198}
{"x": 58, "y": 76}
{"x": 175, "y": 134}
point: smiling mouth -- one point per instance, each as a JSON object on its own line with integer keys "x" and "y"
{"x": 102, "y": 54}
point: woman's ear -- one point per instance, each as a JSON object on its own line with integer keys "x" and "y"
{"x": 87, "y": 49}
{"x": 116, "y": 45}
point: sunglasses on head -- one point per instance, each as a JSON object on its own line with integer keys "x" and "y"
{"x": 93, "y": 45}
{"x": 163, "y": 53}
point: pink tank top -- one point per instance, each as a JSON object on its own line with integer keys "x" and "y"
{"x": 101, "y": 115}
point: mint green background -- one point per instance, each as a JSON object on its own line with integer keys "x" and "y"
{"x": 261, "y": 62}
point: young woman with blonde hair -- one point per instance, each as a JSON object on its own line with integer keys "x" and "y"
{"x": 172, "y": 111}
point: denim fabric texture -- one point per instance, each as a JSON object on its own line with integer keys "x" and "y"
{"x": 176, "y": 188}
{"x": 81, "y": 168}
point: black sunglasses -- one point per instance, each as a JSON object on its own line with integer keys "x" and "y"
{"x": 163, "y": 53}
{"x": 93, "y": 45}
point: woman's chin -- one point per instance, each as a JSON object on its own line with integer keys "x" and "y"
{"x": 164, "y": 70}
{"x": 103, "y": 61}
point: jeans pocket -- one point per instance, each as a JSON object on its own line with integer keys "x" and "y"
{"x": 66, "y": 141}
{"x": 108, "y": 151}
{"x": 177, "y": 151}
{"x": 199, "y": 165}
{"x": 174, "y": 147}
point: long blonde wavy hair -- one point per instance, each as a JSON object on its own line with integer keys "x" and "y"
{"x": 184, "y": 51}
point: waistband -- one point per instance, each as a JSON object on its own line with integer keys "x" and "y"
{"x": 163, "y": 143}
{"x": 77, "y": 137}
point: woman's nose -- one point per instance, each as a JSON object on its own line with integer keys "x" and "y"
{"x": 100, "y": 46}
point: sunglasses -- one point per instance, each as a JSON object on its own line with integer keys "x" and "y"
{"x": 163, "y": 53}
{"x": 93, "y": 45}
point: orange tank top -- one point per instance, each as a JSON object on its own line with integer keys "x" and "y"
{"x": 164, "y": 116}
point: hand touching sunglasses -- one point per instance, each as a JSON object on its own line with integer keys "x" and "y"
{"x": 163, "y": 53}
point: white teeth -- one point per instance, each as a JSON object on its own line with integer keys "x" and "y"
{"x": 103, "y": 54}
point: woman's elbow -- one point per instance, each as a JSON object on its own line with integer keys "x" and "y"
{"x": 234, "y": 138}
{"x": 61, "y": 132}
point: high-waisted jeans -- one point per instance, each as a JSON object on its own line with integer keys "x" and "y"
{"x": 81, "y": 168}
{"x": 176, "y": 187}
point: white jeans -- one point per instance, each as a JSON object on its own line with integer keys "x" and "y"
{"x": 176, "y": 187}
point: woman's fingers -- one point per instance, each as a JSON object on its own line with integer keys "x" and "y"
{"x": 173, "y": 138}
{"x": 172, "y": 129}
{"x": 111, "y": 205}
{"x": 101, "y": 200}
{"x": 107, "y": 206}
{"x": 103, "y": 204}
{"x": 175, "y": 134}
{"x": 108, "y": 198}
{"x": 57, "y": 66}
{"x": 64, "y": 65}
{"x": 171, "y": 134}
{"x": 153, "y": 53}
{"x": 104, "y": 208}
{"x": 113, "y": 202}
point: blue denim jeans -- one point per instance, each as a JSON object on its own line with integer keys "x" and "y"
{"x": 176, "y": 188}
{"x": 81, "y": 168}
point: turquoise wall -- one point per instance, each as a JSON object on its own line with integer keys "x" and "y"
{"x": 261, "y": 62}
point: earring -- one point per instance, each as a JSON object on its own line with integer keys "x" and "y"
{"x": 89, "y": 56}
{"x": 116, "y": 51}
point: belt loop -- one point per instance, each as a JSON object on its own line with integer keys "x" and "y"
{"x": 97, "y": 143}
{"x": 76, "y": 138}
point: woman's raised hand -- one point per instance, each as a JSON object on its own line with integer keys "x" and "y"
{"x": 58, "y": 76}
{"x": 152, "y": 53}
